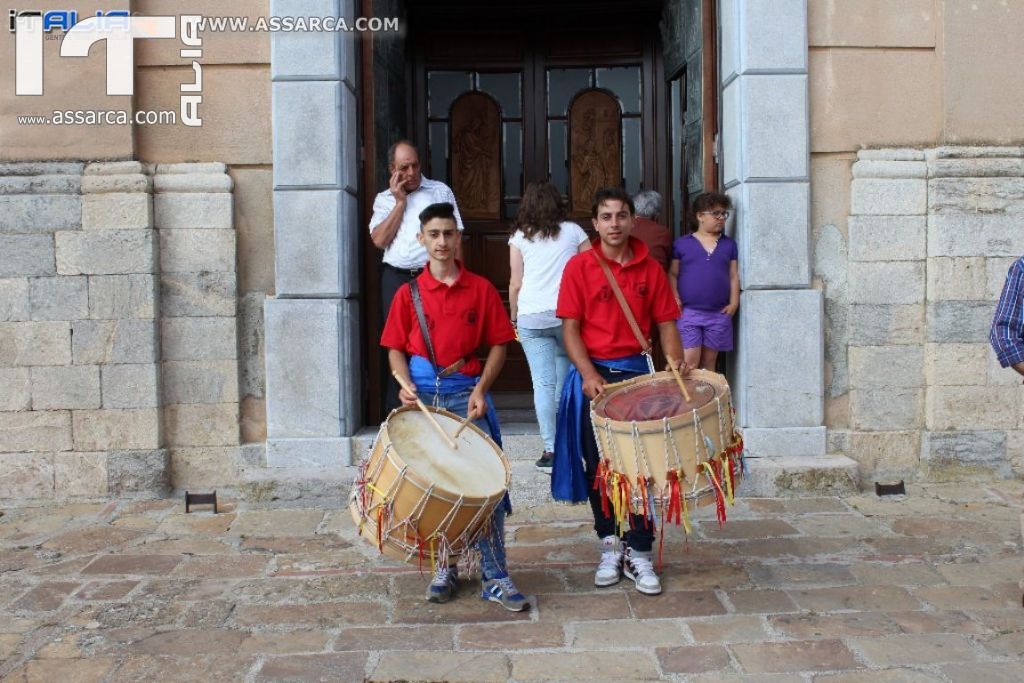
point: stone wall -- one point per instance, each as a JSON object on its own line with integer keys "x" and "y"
{"x": 198, "y": 319}
{"x": 118, "y": 342}
{"x": 910, "y": 293}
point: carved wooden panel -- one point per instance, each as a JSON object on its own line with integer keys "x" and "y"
{"x": 595, "y": 147}
{"x": 475, "y": 155}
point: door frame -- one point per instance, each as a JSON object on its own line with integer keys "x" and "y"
{"x": 454, "y": 16}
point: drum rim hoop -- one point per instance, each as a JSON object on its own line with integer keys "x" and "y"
{"x": 648, "y": 426}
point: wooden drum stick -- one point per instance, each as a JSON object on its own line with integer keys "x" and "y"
{"x": 430, "y": 416}
{"x": 462, "y": 425}
{"x": 679, "y": 379}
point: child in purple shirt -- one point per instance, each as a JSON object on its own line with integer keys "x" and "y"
{"x": 704, "y": 266}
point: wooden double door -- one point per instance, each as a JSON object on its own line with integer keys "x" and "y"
{"x": 504, "y": 99}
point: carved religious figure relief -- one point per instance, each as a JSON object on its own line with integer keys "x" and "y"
{"x": 476, "y": 155}
{"x": 595, "y": 147}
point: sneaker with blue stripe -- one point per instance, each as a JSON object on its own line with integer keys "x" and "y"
{"x": 502, "y": 591}
{"x": 442, "y": 587}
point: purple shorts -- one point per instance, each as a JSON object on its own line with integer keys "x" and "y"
{"x": 711, "y": 329}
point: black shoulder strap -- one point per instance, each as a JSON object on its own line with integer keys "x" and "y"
{"x": 417, "y": 303}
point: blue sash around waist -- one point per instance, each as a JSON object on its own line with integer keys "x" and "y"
{"x": 568, "y": 479}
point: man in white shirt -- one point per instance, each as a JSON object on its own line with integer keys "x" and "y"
{"x": 395, "y": 224}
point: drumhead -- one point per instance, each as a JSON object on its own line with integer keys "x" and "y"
{"x": 654, "y": 399}
{"x": 474, "y": 469}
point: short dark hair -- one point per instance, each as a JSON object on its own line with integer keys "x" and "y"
{"x": 439, "y": 210}
{"x": 394, "y": 148}
{"x": 709, "y": 200}
{"x": 706, "y": 201}
{"x": 601, "y": 196}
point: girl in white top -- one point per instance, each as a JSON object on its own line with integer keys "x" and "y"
{"x": 540, "y": 246}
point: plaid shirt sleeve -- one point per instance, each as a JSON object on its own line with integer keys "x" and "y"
{"x": 1007, "y": 335}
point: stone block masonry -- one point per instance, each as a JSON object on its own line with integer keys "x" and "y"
{"x": 931, "y": 235}
{"x": 89, "y": 341}
{"x": 199, "y": 330}
{"x": 199, "y": 337}
{"x": 118, "y": 333}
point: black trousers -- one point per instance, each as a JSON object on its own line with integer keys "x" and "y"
{"x": 391, "y": 279}
{"x": 640, "y": 535}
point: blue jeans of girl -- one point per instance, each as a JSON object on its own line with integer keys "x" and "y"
{"x": 545, "y": 352}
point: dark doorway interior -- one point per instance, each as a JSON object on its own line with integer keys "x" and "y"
{"x": 499, "y": 95}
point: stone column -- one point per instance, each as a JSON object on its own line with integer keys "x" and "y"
{"x": 313, "y": 335}
{"x": 778, "y": 368}
{"x": 886, "y": 294}
{"x": 765, "y": 162}
{"x": 973, "y": 409}
{"x": 198, "y": 316}
{"x": 116, "y": 250}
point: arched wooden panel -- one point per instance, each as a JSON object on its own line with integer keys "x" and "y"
{"x": 595, "y": 147}
{"x": 475, "y": 153}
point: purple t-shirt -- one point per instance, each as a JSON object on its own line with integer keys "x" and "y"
{"x": 704, "y": 279}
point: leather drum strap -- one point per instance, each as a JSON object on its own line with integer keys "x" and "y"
{"x": 645, "y": 343}
{"x": 417, "y": 303}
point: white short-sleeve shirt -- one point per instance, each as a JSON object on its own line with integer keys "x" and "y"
{"x": 544, "y": 259}
{"x": 405, "y": 251}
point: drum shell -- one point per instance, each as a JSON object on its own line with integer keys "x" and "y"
{"x": 617, "y": 441}
{"x": 387, "y": 472}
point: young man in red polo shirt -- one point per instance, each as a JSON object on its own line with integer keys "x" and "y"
{"x": 462, "y": 311}
{"x": 603, "y": 348}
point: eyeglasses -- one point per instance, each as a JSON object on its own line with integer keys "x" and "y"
{"x": 717, "y": 214}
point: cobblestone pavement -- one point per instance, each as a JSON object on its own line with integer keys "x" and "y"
{"x": 814, "y": 589}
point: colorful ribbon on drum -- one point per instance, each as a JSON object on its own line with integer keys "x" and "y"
{"x": 621, "y": 498}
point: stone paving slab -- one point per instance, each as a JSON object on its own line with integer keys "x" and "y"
{"x": 924, "y": 587}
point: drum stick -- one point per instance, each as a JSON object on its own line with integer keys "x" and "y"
{"x": 430, "y": 416}
{"x": 679, "y": 380}
{"x": 462, "y": 425}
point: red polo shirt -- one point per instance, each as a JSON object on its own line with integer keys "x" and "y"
{"x": 460, "y": 318}
{"x": 585, "y": 295}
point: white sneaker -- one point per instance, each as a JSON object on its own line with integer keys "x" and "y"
{"x": 638, "y": 567}
{"x": 610, "y": 570}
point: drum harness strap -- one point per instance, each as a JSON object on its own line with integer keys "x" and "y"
{"x": 645, "y": 343}
{"x": 417, "y": 303}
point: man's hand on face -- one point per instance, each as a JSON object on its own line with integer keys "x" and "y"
{"x": 397, "y": 186}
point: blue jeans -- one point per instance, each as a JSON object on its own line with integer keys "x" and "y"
{"x": 545, "y": 352}
{"x": 492, "y": 546}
